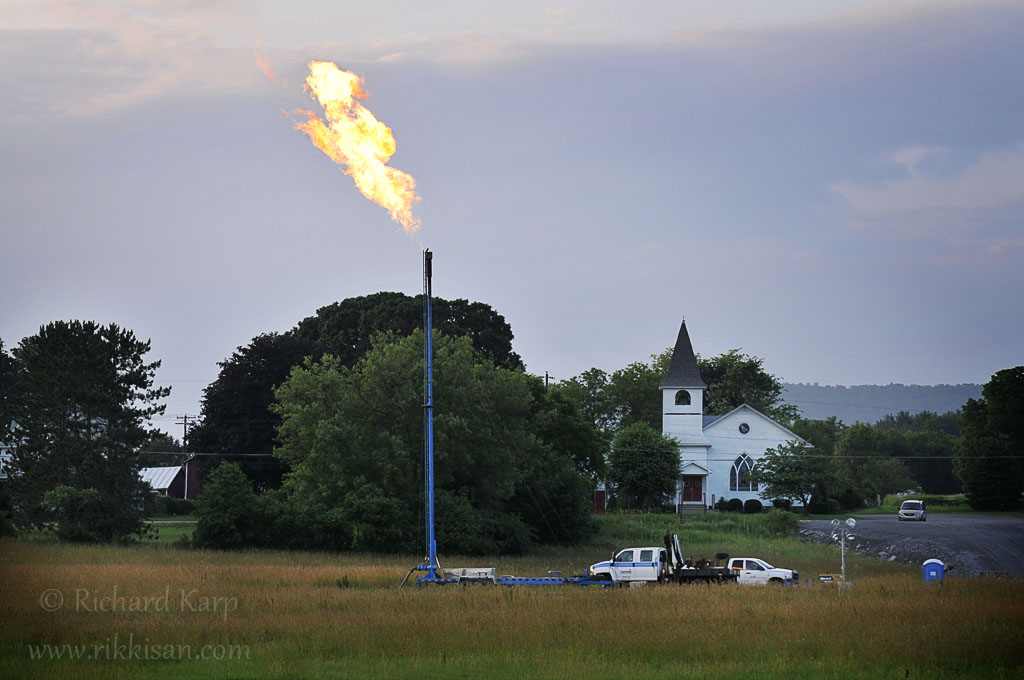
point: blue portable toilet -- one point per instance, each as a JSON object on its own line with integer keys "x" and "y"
{"x": 933, "y": 570}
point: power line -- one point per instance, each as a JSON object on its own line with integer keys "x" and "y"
{"x": 865, "y": 457}
{"x": 195, "y": 453}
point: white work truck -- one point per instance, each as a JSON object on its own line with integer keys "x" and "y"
{"x": 754, "y": 572}
{"x": 661, "y": 564}
{"x": 632, "y": 565}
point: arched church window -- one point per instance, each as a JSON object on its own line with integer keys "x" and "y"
{"x": 739, "y": 475}
{"x": 682, "y": 398}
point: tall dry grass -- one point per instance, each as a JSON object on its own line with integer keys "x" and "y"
{"x": 317, "y": 615}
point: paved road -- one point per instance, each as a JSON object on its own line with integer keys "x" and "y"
{"x": 967, "y": 544}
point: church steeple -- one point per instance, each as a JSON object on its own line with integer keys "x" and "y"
{"x": 683, "y": 370}
{"x": 682, "y": 395}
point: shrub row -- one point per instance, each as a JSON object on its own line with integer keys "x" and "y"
{"x": 230, "y": 515}
{"x": 157, "y": 504}
{"x": 751, "y": 506}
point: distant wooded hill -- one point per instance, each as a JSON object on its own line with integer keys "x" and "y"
{"x": 868, "y": 403}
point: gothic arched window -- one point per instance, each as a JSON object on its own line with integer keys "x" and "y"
{"x": 682, "y": 398}
{"x": 739, "y": 475}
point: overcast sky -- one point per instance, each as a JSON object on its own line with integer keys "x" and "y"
{"x": 835, "y": 187}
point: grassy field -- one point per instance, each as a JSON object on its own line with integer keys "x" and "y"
{"x": 307, "y": 615}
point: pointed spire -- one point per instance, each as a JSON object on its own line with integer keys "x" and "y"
{"x": 682, "y": 370}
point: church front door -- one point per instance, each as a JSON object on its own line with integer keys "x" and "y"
{"x": 693, "y": 489}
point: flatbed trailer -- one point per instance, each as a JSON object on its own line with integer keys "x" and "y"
{"x": 487, "y": 576}
{"x": 708, "y": 575}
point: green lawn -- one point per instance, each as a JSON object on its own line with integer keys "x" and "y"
{"x": 170, "y": 529}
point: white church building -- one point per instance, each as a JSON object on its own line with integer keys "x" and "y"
{"x": 716, "y": 453}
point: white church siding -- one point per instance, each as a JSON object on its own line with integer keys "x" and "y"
{"x": 728, "y": 443}
{"x": 709, "y": 446}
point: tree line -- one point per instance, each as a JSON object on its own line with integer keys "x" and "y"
{"x": 977, "y": 450}
{"x": 319, "y": 434}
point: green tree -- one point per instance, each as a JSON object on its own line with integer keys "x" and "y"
{"x": 346, "y": 329}
{"x": 611, "y": 402}
{"x": 353, "y": 437}
{"x": 560, "y": 424}
{"x": 735, "y": 379}
{"x": 793, "y": 471}
{"x": 643, "y": 468}
{"x": 162, "y": 450}
{"x": 226, "y": 511}
{"x": 634, "y": 392}
{"x": 589, "y": 391}
{"x": 923, "y": 421}
{"x": 990, "y": 454}
{"x": 82, "y": 516}
{"x": 631, "y": 395}
{"x": 1004, "y": 395}
{"x": 235, "y": 415}
{"x": 8, "y": 376}
{"x": 870, "y": 463}
{"x": 821, "y": 434}
{"x": 931, "y": 462}
{"x": 6, "y": 525}
{"x": 85, "y": 396}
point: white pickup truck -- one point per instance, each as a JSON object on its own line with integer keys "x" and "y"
{"x": 649, "y": 564}
{"x": 754, "y": 572}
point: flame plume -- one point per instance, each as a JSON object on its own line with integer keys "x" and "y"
{"x": 358, "y": 142}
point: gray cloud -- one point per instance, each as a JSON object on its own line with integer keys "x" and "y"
{"x": 993, "y": 180}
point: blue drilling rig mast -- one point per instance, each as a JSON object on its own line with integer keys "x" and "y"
{"x": 430, "y": 564}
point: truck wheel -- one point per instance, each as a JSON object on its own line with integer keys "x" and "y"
{"x": 775, "y": 582}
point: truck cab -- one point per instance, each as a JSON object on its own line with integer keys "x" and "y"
{"x": 632, "y": 565}
{"x": 755, "y": 572}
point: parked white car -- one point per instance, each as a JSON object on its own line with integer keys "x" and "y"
{"x": 913, "y": 511}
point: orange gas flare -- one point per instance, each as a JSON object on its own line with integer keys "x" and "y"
{"x": 358, "y": 142}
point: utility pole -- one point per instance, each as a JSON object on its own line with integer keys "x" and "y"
{"x": 547, "y": 378}
{"x": 183, "y": 421}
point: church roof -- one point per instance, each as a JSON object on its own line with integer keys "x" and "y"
{"x": 682, "y": 370}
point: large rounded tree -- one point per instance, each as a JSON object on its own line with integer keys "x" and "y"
{"x": 643, "y": 468}
{"x": 353, "y": 437}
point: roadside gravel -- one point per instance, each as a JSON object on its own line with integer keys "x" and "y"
{"x": 967, "y": 544}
